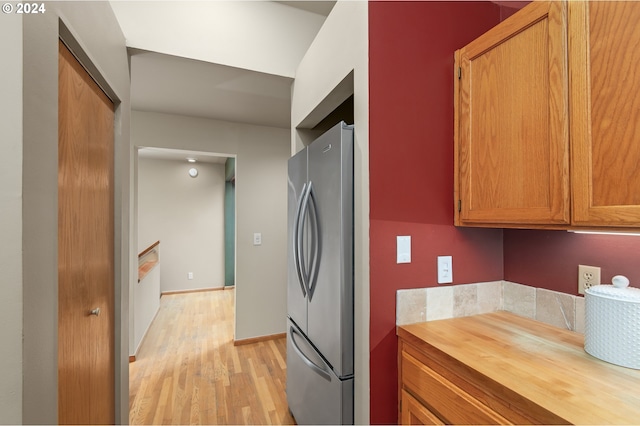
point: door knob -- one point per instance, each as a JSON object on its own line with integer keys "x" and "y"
{"x": 95, "y": 312}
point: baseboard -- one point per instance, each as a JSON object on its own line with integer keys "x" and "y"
{"x": 197, "y": 290}
{"x": 132, "y": 358}
{"x": 258, "y": 339}
{"x": 229, "y": 287}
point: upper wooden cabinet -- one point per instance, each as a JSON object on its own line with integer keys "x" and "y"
{"x": 604, "y": 64}
{"x": 512, "y": 107}
{"x": 546, "y": 119}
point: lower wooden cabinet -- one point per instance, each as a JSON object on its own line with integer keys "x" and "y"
{"x": 429, "y": 397}
{"x": 414, "y": 413}
{"x": 500, "y": 368}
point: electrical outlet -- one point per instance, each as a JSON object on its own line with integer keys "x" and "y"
{"x": 588, "y": 276}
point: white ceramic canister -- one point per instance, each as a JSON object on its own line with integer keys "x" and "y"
{"x": 612, "y": 324}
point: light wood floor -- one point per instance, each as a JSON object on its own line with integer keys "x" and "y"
{"x": 188, "y": 371}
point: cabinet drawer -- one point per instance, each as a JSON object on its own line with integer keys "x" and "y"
{"x": 414, "y": 413}
{"x": 443, "y": 398}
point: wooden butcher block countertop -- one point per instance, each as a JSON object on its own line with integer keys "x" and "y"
{"x": 539, "y": 364}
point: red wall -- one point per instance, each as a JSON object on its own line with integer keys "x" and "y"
{"x": 411, "y": 47}
{"x": 411, "y": 181}
{"x": 550, "y": 259}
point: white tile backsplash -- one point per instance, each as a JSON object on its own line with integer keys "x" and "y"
{"x": 465, "y": 300}
{"x": 519, "y": 299}
{"x": 411, "y": 306}
{"x": 555, "y": 308}
{"x": 434, "y": 303}
{"x": 439, "y": 303}
{"x": 579, "y": 315}
{"x": 489, "y": 297}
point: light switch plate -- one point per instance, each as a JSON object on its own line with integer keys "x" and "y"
{"x": 445, "y": 269}
{"x": 257, "y": 239}
{"x": 403, "y": 245}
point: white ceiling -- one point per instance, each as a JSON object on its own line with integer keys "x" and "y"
{"x": 177, "y": 85}
{"x": 181, "y": 155}
{"x": 174, "y": 85}
{"x": 319, "y": 7}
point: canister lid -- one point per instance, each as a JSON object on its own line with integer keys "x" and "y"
{"x": 629, "y": 294}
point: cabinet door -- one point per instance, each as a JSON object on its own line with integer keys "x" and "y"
{"x": 512, "y": 148}
{"x": 414, "y": 413}
{"x": 454, "y": 404}
{"x": 604, "y": 60}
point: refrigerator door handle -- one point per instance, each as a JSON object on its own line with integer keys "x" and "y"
{"x": 317, "y": 369}
{"x": 297, "y": 244}
{"x": 301, "y": 222}
{"x": 317, "y": 248}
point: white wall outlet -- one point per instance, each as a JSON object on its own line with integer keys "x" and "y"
{"x": 445, "y": 269}
{"x": 403, "y": 249}
{"x": 190, "y": 275}
{"x": 257, "y": 239}
{"x": 588, "y": 276}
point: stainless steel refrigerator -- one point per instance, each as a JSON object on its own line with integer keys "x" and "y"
{"x": 320, "y": 280}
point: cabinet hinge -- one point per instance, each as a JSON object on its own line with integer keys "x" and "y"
{"x": 459, "y": 73}
{"x": 459, "y": 206}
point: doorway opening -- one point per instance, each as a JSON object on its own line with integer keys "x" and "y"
{"x": 184, "y": 207}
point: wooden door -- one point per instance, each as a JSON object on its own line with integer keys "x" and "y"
{"x": 511, "y": 135}
{"x": 85, "y": 248}
{"x": 604, "y": 60}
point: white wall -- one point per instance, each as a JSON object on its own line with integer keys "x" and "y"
{"x": 11, "y": 223}
{"x": 340, "y": 48}
{"x": 31, "y": 104}
{"x": 146, "y": 302}
{"x": 187, "y": 216}
{"x": 260, "y": 36}
{"x": 261, "y": 206}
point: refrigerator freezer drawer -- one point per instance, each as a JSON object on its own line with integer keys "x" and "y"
{"x": 314, "y": 393}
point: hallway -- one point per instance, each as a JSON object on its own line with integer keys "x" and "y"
{"x": 188, "y": 371}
